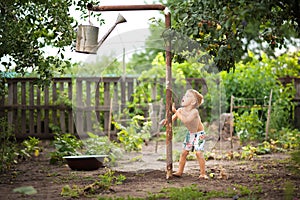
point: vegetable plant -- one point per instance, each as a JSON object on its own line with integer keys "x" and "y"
{"x": 96, "y": 145}
{"x": 133, "y": 136}
{"x": 65, "y": 145}
{"x": 8, "y": 147}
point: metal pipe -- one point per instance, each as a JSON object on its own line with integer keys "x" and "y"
{"x": 125, "y": 7}
{"x": 169, "y": 134}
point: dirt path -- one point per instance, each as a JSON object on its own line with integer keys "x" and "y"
{"x": 266, "y": 176}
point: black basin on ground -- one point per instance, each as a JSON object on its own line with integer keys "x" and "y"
{"x": 85, "y": 162}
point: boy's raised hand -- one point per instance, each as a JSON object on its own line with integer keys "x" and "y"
{"x": 173, "y": 108}
{"x": 164, "y": 121}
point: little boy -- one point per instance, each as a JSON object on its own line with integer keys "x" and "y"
{"x": 194, "y": 140}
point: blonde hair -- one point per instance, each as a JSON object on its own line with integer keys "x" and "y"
{"x": 199, "y": 98}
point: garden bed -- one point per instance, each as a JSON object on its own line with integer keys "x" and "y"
{"x": 271, "y": 176}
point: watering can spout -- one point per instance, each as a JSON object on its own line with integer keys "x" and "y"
{"x": 87, "y": 37}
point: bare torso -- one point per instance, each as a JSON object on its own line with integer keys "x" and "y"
{"x": 190, "y": 118}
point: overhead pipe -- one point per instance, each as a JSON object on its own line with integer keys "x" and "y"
{"x": 169, "y": 135}
{"x": 125, "y": 7}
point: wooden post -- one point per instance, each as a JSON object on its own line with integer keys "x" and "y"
{"x": 220, "y": 112}
{"x": 169, "y": 134}
{"x": 269, "y": 115}
{"x": 231, "y": 120}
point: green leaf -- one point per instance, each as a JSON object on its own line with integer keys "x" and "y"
{"x": 29, "y": 190}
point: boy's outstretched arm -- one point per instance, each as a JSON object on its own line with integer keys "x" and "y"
{"x": 164, "y": 121}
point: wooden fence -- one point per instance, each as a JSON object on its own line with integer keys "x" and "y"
{"x": 81, "y": 104}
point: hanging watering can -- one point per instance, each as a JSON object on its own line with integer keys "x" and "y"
{"x": 87, "y": 37}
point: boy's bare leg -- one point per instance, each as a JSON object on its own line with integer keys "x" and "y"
{"x": 201, "y": 161}
{"x": 182, "y": 162}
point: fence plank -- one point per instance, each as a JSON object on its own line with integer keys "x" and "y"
{"x": 23, "y": 102}
{"x": 62, "y": 117}
{"x": 79, "y": 104}
{"x": 70, "y": 113}
{"x": 106, "y": 103}
{"x": 123, "y": 93}
{"x": 31, "y": 111}
{"x": 15, "y": 102}
{"x": 97, "y": 102}
{"x": 46, "y": 111}
{"x": 10, "y": 116}
{"x": 38, "y": 111}
{"x": 54, "y": 99}
{"x": 88, "y": 113}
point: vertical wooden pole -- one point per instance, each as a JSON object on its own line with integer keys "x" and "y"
{"x": 220, "y": 112}
{"x": 169, "y": 101}
{"x": 269, "y": 115}
{"x": 231, "y": 120}
{"x": 109, "y": 119}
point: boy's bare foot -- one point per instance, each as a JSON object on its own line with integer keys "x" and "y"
{"x": 203, "y": 176}
{"x": 177, "y": 174}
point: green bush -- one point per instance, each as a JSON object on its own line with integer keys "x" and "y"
{"x": 134, "y": 135}
{"x": 251, "y": 84}
{"x": 283, "y": 108}
{"x": 248, "y": 125}
{"x": 96, "y": 145}
{"x": 30, "y": 147}
{"x": 8, "y": 146}
{"x": 65, "y": 145}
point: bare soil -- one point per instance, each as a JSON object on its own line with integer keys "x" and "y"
{"x": 266, "y": 176}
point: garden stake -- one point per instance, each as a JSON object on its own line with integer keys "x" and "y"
{"x": 269, "y": 115}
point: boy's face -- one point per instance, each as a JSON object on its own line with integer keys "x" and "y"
{"x": 188, "y": 99}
